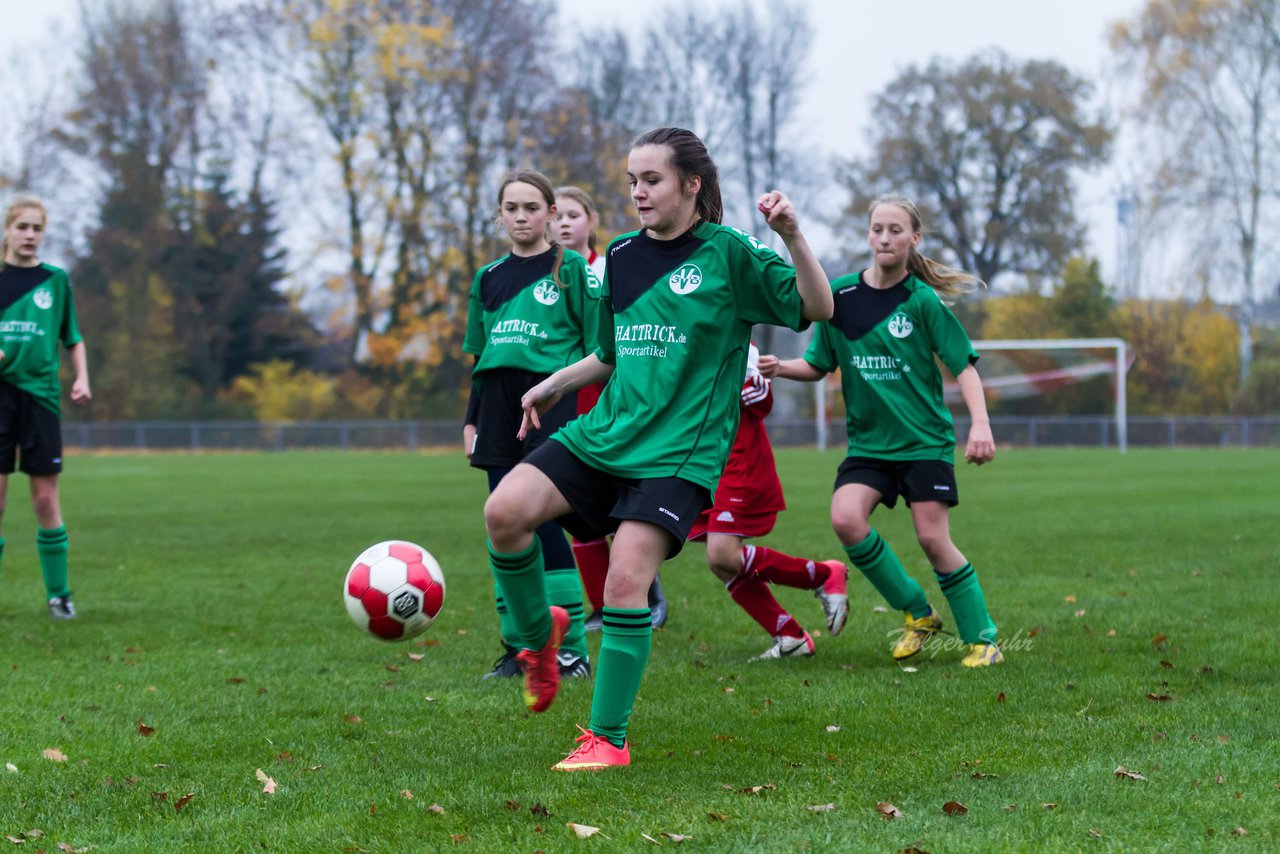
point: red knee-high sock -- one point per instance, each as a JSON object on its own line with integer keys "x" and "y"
{"x": 754, "y": 597}
{"x": 593, "y": 563}
{"x": 778, "y": 568}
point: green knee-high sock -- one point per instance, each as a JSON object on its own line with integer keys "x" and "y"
{"x": 624, "y": 650}
{"x": 506, "y": 623}
{"x": 564, "y": 588}
{"x": 51, "y": 545}
{"x": 519, "y": 578}
{"x": 881, "y": 566}
{"x": 968, "y": 605}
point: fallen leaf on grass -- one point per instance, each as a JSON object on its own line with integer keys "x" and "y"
{"x": 159, "y": 797}
{"x": 68, "y": 848}
{"x": 1159, "y": 639}
{"x": 393, "y": 668}
{"x": 583, "y": 831}
{"x": 268, "y": 784}
{"x": 352, "y": 719}
{"x": 1096, "y": 834}
{"x": 540, "y": 810}
{"x": 416, "y": 656}
{"x": 512, "y": 805}
{"x": 1160, "y": 698}
{"x": 1071, "y": 600}
{"x": 1222, "y": 739}
{"x": 11, "y": 768}
{"x": 889, "y": 811}
{"x": 1050, "y": 806}
{"x": 34, "y": 833}
{"x": 879, "y": 609}
{"x": 1011, "y": 808}
{"x": 235, "y": 680}
{"x": 676, "y": 837}
{"x": 833, "y": 728}
{"x": 717, "y": 816}
{"x": 755, "y": 790}
{"x": 407, "y": 794}
{"x": 1125, "y": 774}
{"x": 647, "y": 838}
{"x": 15, "y": 840}
{"x": 1080, "y": 613}
{"x": 821, "y": 807}
{"x": 1167, "y": 665}
{"x": 53, "y": 754}
{"x": 183, "y": 801}
{"x": 1000, "y": 697}
{"x": 143, "y": 729}
{"x": 436, "y": 809}
{"x": 1240, "y": 831}
{"x": 954, "y": 808}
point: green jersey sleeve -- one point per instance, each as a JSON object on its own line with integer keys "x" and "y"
{"x": 764, "y": 284}
{"x": 605, "y": 335}
{"x": 950, "y": 341}
{"x": 821, "y": 352}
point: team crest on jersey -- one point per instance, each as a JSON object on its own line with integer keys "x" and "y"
{"x": 43, "y": 298}
{"x": 546, "y": 292}
{"x": 900, "y": 325}
{"x": 685, "y": 280}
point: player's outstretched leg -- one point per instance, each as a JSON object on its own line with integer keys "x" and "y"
{"x": 753, "y": 595}
{"x": 828, "y": 579}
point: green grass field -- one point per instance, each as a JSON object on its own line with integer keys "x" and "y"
{"x": 1136, "y": 593}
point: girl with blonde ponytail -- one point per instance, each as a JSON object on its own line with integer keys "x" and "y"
{"x": 890, "y": 330}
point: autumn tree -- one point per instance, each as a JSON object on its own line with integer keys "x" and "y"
{"x": 1209, "y": 85}
{"x": 1185, "y": 357}
{"x": 987, "y": 147}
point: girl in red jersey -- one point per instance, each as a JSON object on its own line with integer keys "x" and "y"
{"x": 747, "y": 503}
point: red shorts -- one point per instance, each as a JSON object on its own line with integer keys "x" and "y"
{"x": 719, "y": 520}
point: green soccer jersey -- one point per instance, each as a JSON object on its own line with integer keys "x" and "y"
{"x": 883, "y": 342}
{"x": 675, "y": 322}
{"x": 520, "y": 318}
{"x": 37, "y": 311}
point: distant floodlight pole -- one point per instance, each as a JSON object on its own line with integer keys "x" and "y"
{"x": 1122, "y": 368}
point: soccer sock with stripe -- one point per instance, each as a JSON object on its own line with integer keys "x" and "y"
{"x": 564, "y": 587}
{"x": 778, "y": 568}
{"x": 521, "y": 582}
{"x": 506, "y": 623}
{"x": 625, "y": 639}
{"x": 968, "y": 605}
{"x": 875, "y": 559}
{"x": 593, "y": 562}
{"x": 754, "y": 597}
{"x": 51, "y": 545}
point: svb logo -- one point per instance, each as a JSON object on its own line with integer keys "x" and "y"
{"x": 685, "y": 280}
{"x": 43, "y": 298}
{"x": 546, "y": 292}
{"x": 900, "y": 325}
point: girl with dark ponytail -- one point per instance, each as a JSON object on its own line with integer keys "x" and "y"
{"x": 679, "y": 299}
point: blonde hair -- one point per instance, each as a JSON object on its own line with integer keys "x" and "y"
{"x": 948, "y": 282}
{"x": 581, "y": 196}
{"x": 20, "y": 203}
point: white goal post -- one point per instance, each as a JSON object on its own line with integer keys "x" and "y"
{"x": 1121, "y": 366}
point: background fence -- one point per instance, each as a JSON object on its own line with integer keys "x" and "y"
{"x": 1028, "y": 432}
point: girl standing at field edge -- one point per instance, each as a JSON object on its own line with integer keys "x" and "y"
{"x": 576, "y": 222}
{"x": 527, "y": 317}
{"x": 680, "y": 298}
{"x": 889, "y": 323}
{"x": 37, "y": 310}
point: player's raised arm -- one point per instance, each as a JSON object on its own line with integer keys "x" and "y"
{"x": 811, "y": 279}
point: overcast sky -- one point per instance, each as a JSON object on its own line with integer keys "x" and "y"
{"x": 859, "y": 46}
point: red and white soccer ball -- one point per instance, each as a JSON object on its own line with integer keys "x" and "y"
{"x": 394, "y": 590}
